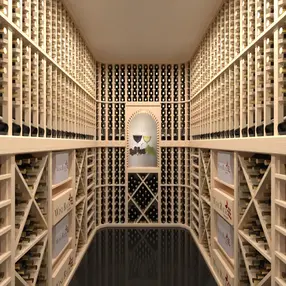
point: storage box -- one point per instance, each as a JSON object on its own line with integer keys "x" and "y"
{"x": 60, "y": 236}
{"x": 222, "y": 269}
{"x": 225, "y": 167}
{"x": 62, "y": 272}
{"x": 223, "y": 204}
{"x": 60, "y": 167}
{"x": 225, "y": 235}
{"x": 62, "y": 205}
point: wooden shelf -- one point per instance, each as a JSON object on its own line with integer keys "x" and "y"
{"x": 255, "y": 245}
{"x": 61, "y": 183}
{"x": 280, "y": 177}
{"x": 5, "y": 177}
{"x": 5, "y": 229}
{"x": 221, "y": 265}
{"x": 280, "y": 282}
{"x": 281, "y": 203}
{"x": 31, "y": 245}
{"x": 6, "y": 281}
{"x": 224, "y": 183}
{"x": 65, "y": 265}
{"x": 55, "y": 260}
{"x": 4, "y": 256}
{"x": 280, "y": 229}
{"x": 230, "y": 260}
{"x": 229, "y": 97}
{"x": 49, "y": 109}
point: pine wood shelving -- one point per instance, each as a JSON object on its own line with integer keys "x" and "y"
{"x": 240, "y": 93}
{"x": 7, "y": 219}
{"x": 232, "y": 90}
{"x": 175, "y": 179}
{"x": 51, "y": 218}
{"x": 43, "y": 92}
{"x": 119, "y": 85}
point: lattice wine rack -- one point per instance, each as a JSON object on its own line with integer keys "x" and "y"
{"x": 278, "y": 221}
{"x": 255, "y": 216}
{"x": 62, "y": 198}
{"x": 47, "y": 73}
{"x": 229, "y": 194}
{"x": 31, "y": 217}
{"x": 7, "y": 220}
{"x": 90, "y": 187}
{"x": 237, "y": 73}
{"x": 80, "y": 200}
{"x": 51, "y": 216}
{"x": 175, "y": 180}
{"x": 195, "y": 189}
{"x": 120, "y": 85}
{"x": 110, "y": 185}
{"x": 142, "y": 198}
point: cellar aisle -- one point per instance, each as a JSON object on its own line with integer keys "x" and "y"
{"x": 143, "y": 256}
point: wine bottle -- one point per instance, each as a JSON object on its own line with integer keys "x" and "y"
{"x": 282, "y": 127}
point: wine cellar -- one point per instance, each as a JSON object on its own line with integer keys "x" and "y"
{"x": 196, "y": 144}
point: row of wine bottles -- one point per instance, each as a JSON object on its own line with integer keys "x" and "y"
{"x": 111, "y": 162}
{"x": 45, "y": 101}
{"x": 235, "y": 112}
{"x": 50, "y": 26}
{"x": 174, "y": 206}
{"x": 149, "y": 180}
{"x": 258, "y": 266}
{"x": 110, "y": 207}
{"x": 174, "y": 167}
{"x": 56, "y": 119}
{"x": 143, "y": 83}
{"x": 236, "y": 26}
{"x": 175, "y": 123}
{"x": 241, "y": 99}
{"x": 29, "y": 265}
{"x": 142, "y": 193}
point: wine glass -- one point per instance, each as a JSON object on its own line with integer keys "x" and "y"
{"x": 147, "y": 139}
{"x": 137, "y": 138}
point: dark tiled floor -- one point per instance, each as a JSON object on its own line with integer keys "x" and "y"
{"x": 143, "y": 257}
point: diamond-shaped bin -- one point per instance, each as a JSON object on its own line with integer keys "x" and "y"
{"x": 251, "y": 230}
{"x": 258, "y": 268}
{"x": 34, "y": 230}
{"x": 28, "y": 266}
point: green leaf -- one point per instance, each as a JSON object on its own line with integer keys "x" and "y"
{"x": 150, "y": 151}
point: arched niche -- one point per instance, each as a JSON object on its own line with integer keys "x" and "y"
{"x": 142, "y": 140}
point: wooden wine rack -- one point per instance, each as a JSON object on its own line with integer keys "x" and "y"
{"x": 80, "y": 200}
{"x": 121, "y": 85}
{"x": 90, "y": 187}
{"x": 31, "y": 217}
{"x": 195, "y": 192}
{"x": 243, "y": 209}
{"x": 7, "y": 220}
{"x": 175, "y": 191}
{"x": 237, "y": 73}
{"x": 193, "y": 197}
{"x": 44, "y": 92}
{"x": 233, "y": 88}
{"x": 278, "y": 221}
{"x": 205, "y": 197}
{"x": 50, "y": 216}
{"x": 110, "y": 186}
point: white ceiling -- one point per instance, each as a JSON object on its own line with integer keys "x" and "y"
{"x": 146, "y": 31}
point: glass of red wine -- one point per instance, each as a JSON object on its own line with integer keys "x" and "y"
{"x": 137, "y": 138}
